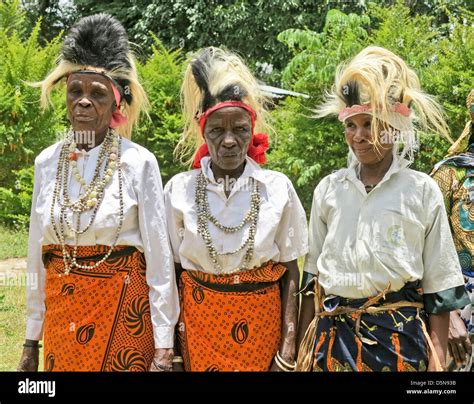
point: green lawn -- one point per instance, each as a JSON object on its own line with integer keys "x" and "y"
{"x": 12, "y": 323}
{"x": 13, "y": 243}
{"x": 12, "y": 300}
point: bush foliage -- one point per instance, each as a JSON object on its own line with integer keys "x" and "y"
{"x": 439, "y": 45}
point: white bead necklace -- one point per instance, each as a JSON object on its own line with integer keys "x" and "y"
{"x": 92, "y": 197}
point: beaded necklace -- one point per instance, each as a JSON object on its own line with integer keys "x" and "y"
{"x": 204, "y": 216}
{"x": 92, "y": 197}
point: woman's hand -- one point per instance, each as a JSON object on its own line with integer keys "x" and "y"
{"x": 274, "y": 367}
{"x": 459, "y": 345}
{"x": 289, "y": 313}
{"x": 163, "y": 360}
{"x": 290, "y": 359}
{"x": 439, "y": 324}
{"x": 29, "y": 360}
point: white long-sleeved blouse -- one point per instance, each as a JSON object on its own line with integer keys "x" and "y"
{"x": 281, "y": 235}
{"x": 144, "y": 227}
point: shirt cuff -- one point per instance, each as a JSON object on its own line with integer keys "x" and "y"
{"x": 34, "y": 329}
{"x": 164, "y": 337}
{"x": 294, "y": 255}
{"x": 446, "y": 300}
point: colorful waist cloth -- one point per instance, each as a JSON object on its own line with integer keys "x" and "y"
{"x": 97, "y": 319}
{"x": 378, "y": 334}
{"x": 230, "y": 322}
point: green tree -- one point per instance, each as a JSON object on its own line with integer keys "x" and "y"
{"x": 24, "y": 129}
{"x": 162, "y": 75}
{"x": 308, "y": 149}
{"x": 249, "y": 28}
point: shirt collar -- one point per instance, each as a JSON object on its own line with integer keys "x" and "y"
{"x": 252, "y": 169}
{"x": 397, "y": 165}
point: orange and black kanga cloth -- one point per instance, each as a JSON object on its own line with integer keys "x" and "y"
{"x": 230, "y": 322}
{"x": 97, "y": 319}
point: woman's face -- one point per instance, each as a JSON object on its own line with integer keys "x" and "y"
{"x": 358, "y": 134}
{"x": 90, "y": 102}
{"x": 227, "y": 133}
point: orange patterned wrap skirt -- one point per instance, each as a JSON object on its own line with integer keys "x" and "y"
{"x": 97, "y": 319}
{"x": 230, "y": 322}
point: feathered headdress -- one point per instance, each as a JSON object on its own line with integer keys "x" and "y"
{"x": 379, "y": 83}
{"x": 99, "y": 43}
{"x": 214, "y": 79}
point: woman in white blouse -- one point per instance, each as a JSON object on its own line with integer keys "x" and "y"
{"x": 105, "y": 297}
{"x": 381, "y": 251}
{"x": 236, "y": 229}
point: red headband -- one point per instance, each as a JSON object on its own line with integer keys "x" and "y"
{"x": 225, "y": 104}
{"x": 258, "y": 143}
{"x": 117, "y": 117}
{"x": 345, "y": 113}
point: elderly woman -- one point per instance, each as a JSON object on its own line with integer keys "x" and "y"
{"x": 381, "y": 252}
{"x": 454, "y": 177}
{"x": 236, "y": 229}
{"x": 106, "y": 298}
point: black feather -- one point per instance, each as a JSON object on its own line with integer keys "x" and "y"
{"x": 350, "y": 93}
{"x": 200, "y": 73}
{"x": 122, "y": 85}
{"x": 232, "y": 92}
{"x": 200, "y": 68}
{"x": 98, "y": 40}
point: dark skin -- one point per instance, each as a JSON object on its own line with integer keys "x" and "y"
{"x": 459, "y": 344}
{"x": 228, "y": 132}
{"x": 374, "y": 163}
{"x": 90, "y": 103}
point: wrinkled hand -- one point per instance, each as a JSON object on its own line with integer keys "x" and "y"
{"x": 274, "y": 367}
{"x": 288, "y": 357}
{"x": 459, "y": 345}
{"x": 162, "y": 361}
{"x": 29, "y": 360}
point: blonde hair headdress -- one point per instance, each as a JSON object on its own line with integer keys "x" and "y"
{"x": 99, "y": 44}
{"x": 379, "y": 83}
{"x": 213, "y": 76}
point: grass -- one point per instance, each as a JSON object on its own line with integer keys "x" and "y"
{"x": 13, "y": 243}
{"x": 12, "y": 322}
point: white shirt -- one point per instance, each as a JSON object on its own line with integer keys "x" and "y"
{"x": 281, "y": 234}
{"x": 399, "y": 232}
{"x": 144, "y": 227}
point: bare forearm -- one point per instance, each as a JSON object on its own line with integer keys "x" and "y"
{"x": 289, "y": 310}
{"x": 307, "y": 313}
{"x": 439, "y": 327}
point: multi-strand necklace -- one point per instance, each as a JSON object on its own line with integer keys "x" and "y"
{"x": 205, "y": 216}
{"x": 90, "y": 199}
